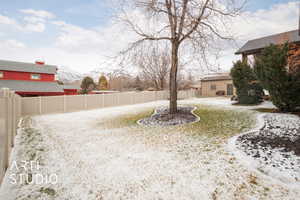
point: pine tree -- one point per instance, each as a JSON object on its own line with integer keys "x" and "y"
{"x": 273, "y": 72}
{"x": 249, "y": 90}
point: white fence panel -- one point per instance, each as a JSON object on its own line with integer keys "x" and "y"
{"x": 70, "y": 103}
{"x": 10, "y": 113}
{"x": 54, "y": 104}
{"x": 31, "y": 106}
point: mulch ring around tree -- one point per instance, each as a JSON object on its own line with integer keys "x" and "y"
{"x": 161, "y": 117}
{"x": 276, "y": 145}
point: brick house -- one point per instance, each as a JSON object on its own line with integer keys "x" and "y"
{"x": 29, "y": 79}
{"x": 255, "y": 46}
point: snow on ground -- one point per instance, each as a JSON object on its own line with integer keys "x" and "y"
{"x": 275, "y": 148}
{"x": 97, "y": 162}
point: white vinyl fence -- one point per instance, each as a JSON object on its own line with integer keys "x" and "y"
{"x": 10, "y": 114}
{"x": 12, "y": 107}
{"x": 70, "y": 103}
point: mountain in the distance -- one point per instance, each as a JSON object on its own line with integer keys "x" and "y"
{"x": 67, "y": 75}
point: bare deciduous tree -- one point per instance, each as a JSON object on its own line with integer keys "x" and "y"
{"x": 192, "y": 24}
{"x": 154, "y": 66}
{"x": 119, "y": 79}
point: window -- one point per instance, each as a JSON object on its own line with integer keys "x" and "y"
{"x": 229, "y": 89}
{"x": 1, "y": 75}
{"x": 35, "y": 76}
{"x": 213, "y": 87}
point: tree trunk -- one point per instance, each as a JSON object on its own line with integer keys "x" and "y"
{"x": 162, "y": 84}
{"x": 173, "y": 78}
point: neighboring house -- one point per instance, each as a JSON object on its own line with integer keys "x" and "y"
{"x": 217, "y": 85}
{"x": 254, "y": 47}
{"x": 196, "y": 87}
{"x": 29, "y": 79}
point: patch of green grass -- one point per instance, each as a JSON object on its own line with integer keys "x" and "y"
{"x": 214, "y": 122}
{"x": 48, "y": 191}
{"x": 219, "y": 122}
{"x": 126, "y": 120}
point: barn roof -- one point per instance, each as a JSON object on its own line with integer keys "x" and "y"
{"x": 253, "y": 46}
{"x": 31, "y": 86}
{"x": 71, "y": 87}
{"x": 27, "y": 67}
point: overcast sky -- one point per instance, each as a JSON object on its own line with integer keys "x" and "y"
{"x": 80, "y": 34}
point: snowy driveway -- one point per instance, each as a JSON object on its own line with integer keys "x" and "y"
{"x": 93, "y": 161}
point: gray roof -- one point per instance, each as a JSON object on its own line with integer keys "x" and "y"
{"x": 27, "y": 67}
{"x": 30, "y": 86}
{"x": 70, "y": 87}
{"x": 217, "y": 78}
{"x": 255, "y": 45}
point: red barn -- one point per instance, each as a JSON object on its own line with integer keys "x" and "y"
{"x": 29, "y": 79}
{"x": 71, "y": 89}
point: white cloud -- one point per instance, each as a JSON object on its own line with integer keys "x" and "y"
{"x": 36, "y": 20}
{"x": 279, "y": 18}
{"x": 34, "y": 27}
{"x": 38, "y": 13}
{"x": 32, "y": 19}
{"x": 6, "y": 20}
{"x": 28, "y": 24}
{"x": 104, "y": 41}
{"x": 11, "y": 44}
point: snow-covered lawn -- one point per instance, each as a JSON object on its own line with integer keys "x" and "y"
{"x": 101, "y": 154}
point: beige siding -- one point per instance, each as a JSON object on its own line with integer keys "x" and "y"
{"x": 220, "y": 85}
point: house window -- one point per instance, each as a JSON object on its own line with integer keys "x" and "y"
{"x": 1, "y": 75}
{"x": 35, "y": 76}
{"x": 213, "y": 87}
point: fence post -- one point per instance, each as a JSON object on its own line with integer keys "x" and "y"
{"x": 6, "y": 128}
{"x": 40, "y": 104}
{"x": 65, "y": 106}
{"x": 118, "y": 99}
{"x": 103, "y": 99}
{"x": 13, "y": 107}
{"x": 85, "y": 101}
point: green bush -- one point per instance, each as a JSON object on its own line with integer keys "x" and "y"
{"x": 87, "y": 85}
{"x": 248, "y": 89}
{"x": 272, "y": 70}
